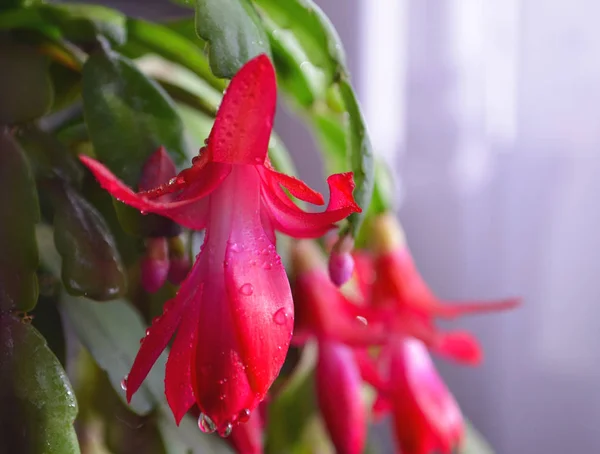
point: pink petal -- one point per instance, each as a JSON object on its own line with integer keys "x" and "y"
{"x": 242, "y": 129}
{"x": 297, "y": 187}
{"x": 338, "y": 385}
{"x": 178, "y": 374}
{"x": 293, "y": 221}
{"x": 156, "y": 340}
{"x": 457, "y": 309}
{"x": 247, "y": 438}
{"x": 247, "y": 313}
{"x": 189, "y": 211}
{"x": 460, "y": 346}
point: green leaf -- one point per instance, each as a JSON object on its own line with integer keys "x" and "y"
{"x": 46, "y": 318}
{"x": 294, "y": 407}
{"x": 35, "y": 388}
{"x": 174, "y": 47}
{"x": 361, "y": 156}
{"x": 111, "y": 332}
{"x": 128, "y": 115}
{"x": 48, "y": 156}
{"x": 91, "y": 265}
{"x": 307, "y": 50}
{"x": 20, "y": 211}
{"x": 25, "y": 85}
{"x": 86, "y": 23}
{"x": 234, "y": 33}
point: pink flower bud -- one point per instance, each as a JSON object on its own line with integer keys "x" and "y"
{"x": 179, "y": 261}
{"x": 155, "y": 264}
{"x": 341, "y": 262}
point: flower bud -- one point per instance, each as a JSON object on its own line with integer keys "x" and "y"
{"x": 155, "y": 264}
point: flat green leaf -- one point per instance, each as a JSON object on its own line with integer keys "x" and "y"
{"x": 111, "y": 332}
{"x": 49, "y": 158}
{"x": 25, "y": 85}
{"x": 91, "y": 265}
{"x": 80, "y": 22}
{"x": 234, "y": 33}
{"x": 19, "y": 212}
{"x": 128, "y": 115}
{"x": 360, "y": 154}
{"x": 34, "y": 386}
{"x": 307, "y": 50}
{"x": 174, "y": 47}
{"x": 292, "y": 410}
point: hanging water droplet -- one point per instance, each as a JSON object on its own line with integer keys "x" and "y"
{"x": 225, "y": 430}
{"x": 247, "y": 289}
{"x": 206, "y": 424}
{"x": 148, "y": 332}
{"x": 195, "y": 159}
{"x": 124, "y": 383}
{"x": 244, "y": 415}
{"x": 143, "y": 212}
{"x": 280, "y": 316}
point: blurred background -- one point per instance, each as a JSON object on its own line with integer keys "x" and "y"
{"x": 487, "y": 111}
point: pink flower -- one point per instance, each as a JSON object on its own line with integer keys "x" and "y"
{"x": 396, "y": 290}
{"x": 426, "y": 417}
{"x": 233, "y": 314}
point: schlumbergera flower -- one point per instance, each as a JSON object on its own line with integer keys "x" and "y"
{"x": 426, "y": 417}
{"x": 233, "y": 314}
{"x": 397, "y": 291}
{"x": 325, "y": 314}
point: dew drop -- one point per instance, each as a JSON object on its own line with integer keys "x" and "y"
{"x": 172, "y": 180}
{"x": 225, "y": 430}
{"x": 142, "y": 340}
{"x": 235, "y": 247}
{"x": 124, "y": 383}
{"x": 195, "y": 159}
{"x": 143, "y": 212}
{"x": 258, "y": 160}
{"x": 280, "y": 317}
{"x": 267, "y": 266}
{"x": 244, "y": 415}
{"x": 148, "y": 332}
{"x": 206, "y": 424}
{"x": 206, "y": 141}
{"x": 247, "y": 289}
{"x": 362, "y": 320}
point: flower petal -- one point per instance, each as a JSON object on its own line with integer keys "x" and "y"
{"x": 187, "y": 211}
{"x": 156, "y": 340}
{"x": 178, "y": 374}
{"x": 297, "y": 187}
{"x": 338, "y": 386}
{"x": 293, "y": 221}
{"x": 242, "y": 129}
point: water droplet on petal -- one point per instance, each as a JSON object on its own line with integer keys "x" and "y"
{"x": 247, "y": 289}
{"x": 280, "y": 317}
{"x": 258, "y": 160}
{"x": 143, "y": 212}
{"x": 244, "y": 415}
{"x": 142, "y": 340}
{"x": 267, "y": 266}
{"x": 172, "y": 180}
{"x": 206, "y": 424}
{"x": 235, "y": 247}
{"x": 148, "y": 332}
{"x": 225, "y": 430}
{"x": 124, "y": 383}
{"x": 363, "y": 320}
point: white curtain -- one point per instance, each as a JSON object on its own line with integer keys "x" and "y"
{"x": 490, "y": 110}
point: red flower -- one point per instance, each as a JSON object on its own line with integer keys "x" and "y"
{"x": 233, "y": 313}
{"x": 426, "y": 417}
{"x": 398, "y": 293}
